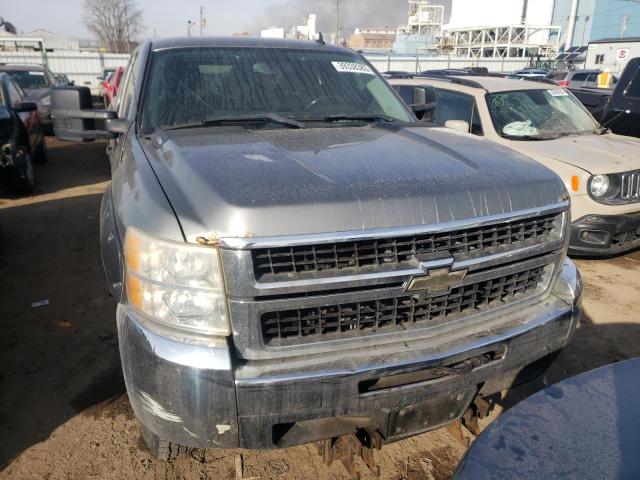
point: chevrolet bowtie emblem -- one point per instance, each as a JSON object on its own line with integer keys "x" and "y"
{"x": 437, "y": 280}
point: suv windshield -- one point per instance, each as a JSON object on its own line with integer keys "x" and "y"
{"x": 538, "y": 114}
{"x": 29, "y": 78}
{"x": 199, "y": 85}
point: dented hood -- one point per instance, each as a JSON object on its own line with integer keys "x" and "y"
{"x": 230, "y": 181}
{"x": 594, "y": 153}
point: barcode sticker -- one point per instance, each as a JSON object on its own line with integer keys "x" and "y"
{"x": 560, "y": 92}
{"x": 352, "y": 67}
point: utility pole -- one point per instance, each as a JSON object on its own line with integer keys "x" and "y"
{"x": 190, "y": 24}
{"x": 202, "y": 21}
{"x": 337, "y": 22}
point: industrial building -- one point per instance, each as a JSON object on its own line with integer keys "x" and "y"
{"x": 516, "y": 28}
{"x": 372, "y": 39}
{"x": 423, "y": 30}
{"x": 495, "y": 28}
{"x": 583, "y": 21}
{"x": 612, "y": 53}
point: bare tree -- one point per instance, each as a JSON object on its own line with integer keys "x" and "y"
{"x": 115, "y": 23}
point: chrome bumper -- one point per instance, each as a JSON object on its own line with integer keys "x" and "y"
{"x": 195, "y": 393}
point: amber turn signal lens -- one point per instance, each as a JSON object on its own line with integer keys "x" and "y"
{"x": 575, "y": 183}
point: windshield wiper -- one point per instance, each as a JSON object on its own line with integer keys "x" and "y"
{"x": 257, "y": 118}
{"x": 524, "y": 137}
{"x": 354, "y": 118}
{"x": 260, "y": 118}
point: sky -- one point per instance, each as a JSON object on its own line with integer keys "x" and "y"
{"x": 224, "y": 17}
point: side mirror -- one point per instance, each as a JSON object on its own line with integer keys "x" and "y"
{"x": 424, "y": 102}
{"x": 26, "y": 107}
{"x": 424, "y": 111}
{"x": 458, "y": 125}
{"x": 74, "y": 118}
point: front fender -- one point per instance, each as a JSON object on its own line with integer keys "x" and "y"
{"x": 110, "y": 246}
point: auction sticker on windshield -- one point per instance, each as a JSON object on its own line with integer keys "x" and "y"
{"x": 352, "y": 67}
{"x": 558, "y": 92}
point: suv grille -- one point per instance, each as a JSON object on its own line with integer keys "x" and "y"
{"x": 379, "y": 315}
{"x": 630, "y": 186}
{"x": 400, "y": 250}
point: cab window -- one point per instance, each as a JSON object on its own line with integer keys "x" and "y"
{"x": 127, "y": 87}
{"x": 15, "y": 95}
{"x": 457, "y": 106}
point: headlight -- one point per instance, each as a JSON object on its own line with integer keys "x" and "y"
{"x": 175, "y": 284}
{"x": 599, "y": 185}
{"x": 46, "y": 101}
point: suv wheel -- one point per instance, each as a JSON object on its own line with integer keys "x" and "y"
{"x": 163, "y": 449}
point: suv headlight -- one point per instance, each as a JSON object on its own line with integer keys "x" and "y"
{"x": 175, "y": 284}
{"x": 599, "y": 186}
{"x": 46, "y": 101}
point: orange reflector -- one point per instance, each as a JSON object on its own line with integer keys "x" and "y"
{"x": 132, "y": 250}
{"x": 134, "y": 292}
{"x": 575, "y": 183}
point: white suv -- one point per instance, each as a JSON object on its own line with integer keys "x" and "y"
{"x": 600, "y": 170}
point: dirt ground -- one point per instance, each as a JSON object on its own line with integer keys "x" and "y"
{"x": 64, "y": 412}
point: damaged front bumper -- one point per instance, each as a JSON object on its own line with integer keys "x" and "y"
{"x": 196, "y": 393}
{"x": 605, "y": 235}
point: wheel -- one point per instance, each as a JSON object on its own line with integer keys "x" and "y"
{"x": 41, "y": 151}
{"x": 24, "y": 178}
{"x": 163, "y": 449}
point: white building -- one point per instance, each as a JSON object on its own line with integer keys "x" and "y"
{"x": 299, "y": 32}
{"x": 54, "y": 41}
{"x": 612, "y": 53}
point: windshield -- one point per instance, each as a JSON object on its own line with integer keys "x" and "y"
{"x": 538, "y": 114}
{"x": 197, "y": 85}
{"x": 29, "y": 78}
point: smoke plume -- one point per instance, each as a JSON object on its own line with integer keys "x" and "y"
{"x": 353, "y": 13}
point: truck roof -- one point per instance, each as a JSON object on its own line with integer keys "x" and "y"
{"x": 240, "y": 41}
{"x": 490, "y": 84}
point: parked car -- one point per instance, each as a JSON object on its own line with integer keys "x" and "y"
{"x": 21, "y": 138}
{"x": 111, "y": 86}
{"x": 601, "y": 170}
{"x": 578, "y": 78}
{"x": 103, "y": 80}
{"x": 296, "y": 258}
{"x": 36, "y": 81}
{"x": 530, "y": 73}
{"x": 619, "y": 108}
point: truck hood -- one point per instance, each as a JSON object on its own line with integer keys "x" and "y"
{"x": 229, "y": 181}
{"x": 593, "y": 153}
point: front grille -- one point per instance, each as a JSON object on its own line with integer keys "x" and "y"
{"x": 630, "y": 186}
{"x": 349, "y": 319}
{"x": 402, "y": 249}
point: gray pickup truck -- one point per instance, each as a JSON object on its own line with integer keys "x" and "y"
{"x": 295, "y": 257}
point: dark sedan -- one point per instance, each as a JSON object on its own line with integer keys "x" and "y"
{"x": 21, "y": 137}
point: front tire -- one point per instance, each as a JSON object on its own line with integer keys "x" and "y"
{"x": 24, "y": 175}
{"x": 163, "y": 449}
